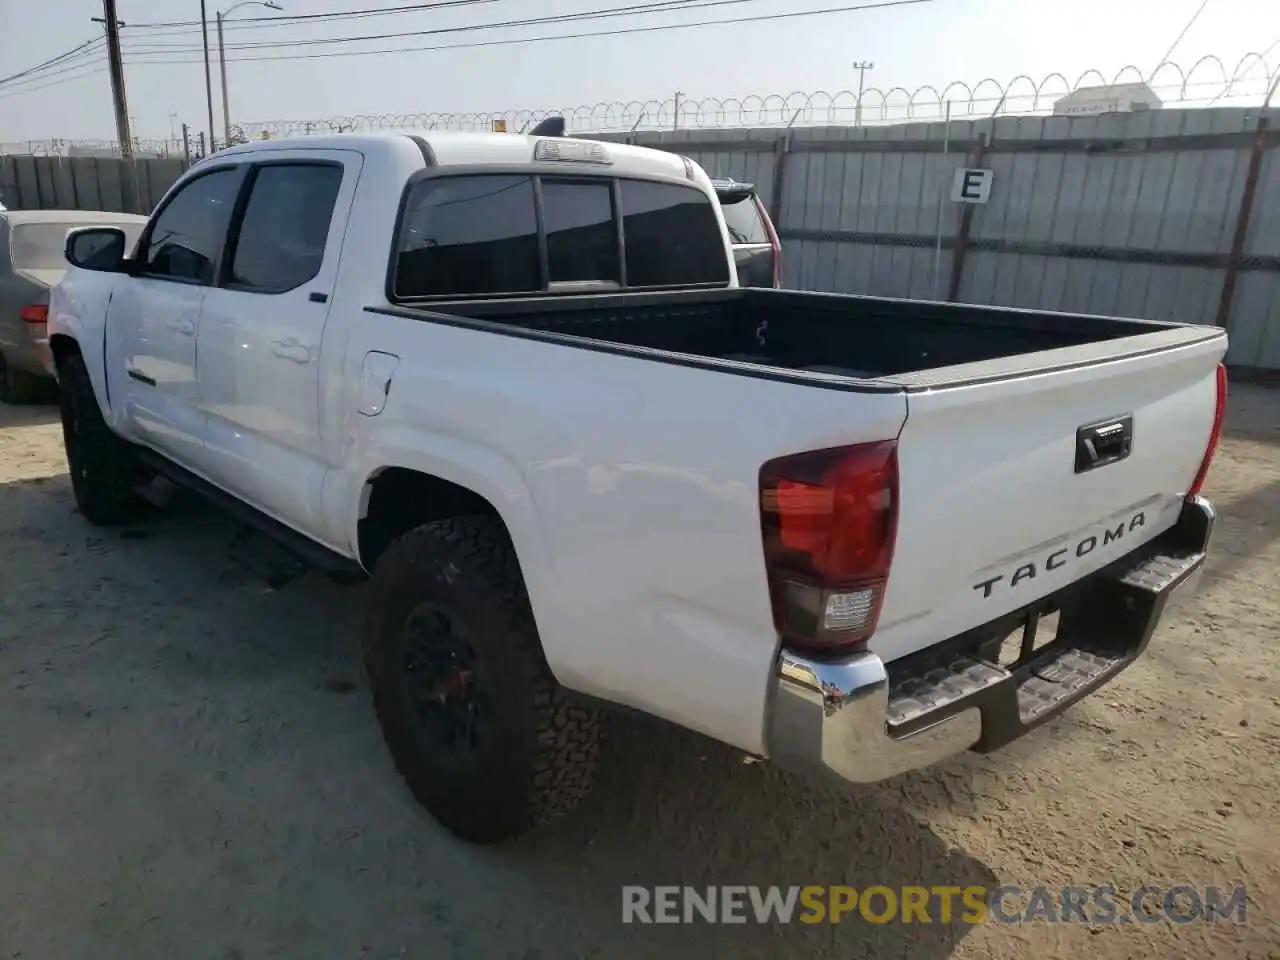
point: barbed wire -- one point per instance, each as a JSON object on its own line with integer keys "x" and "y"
{"x": 58, "y": 147}
{"x": 1023, "y": 95}
{"x": 1198, "y": 86}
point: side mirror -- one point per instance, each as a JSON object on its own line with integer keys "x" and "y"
{"x": 96, "y": 248}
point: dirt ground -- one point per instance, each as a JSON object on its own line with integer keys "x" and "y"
{"x": 189, "y": 767}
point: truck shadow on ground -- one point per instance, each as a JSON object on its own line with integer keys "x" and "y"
{"x": 671, "y": 807}
{"x": 1246, "y": 527}
{"x": 230, "y": 691}
{"x": 28, "y": 415}
{"x": 1250, "y": 413}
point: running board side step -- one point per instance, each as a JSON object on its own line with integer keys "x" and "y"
{"x": 302, "y": 550}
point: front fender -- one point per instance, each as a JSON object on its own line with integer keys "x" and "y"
{"x": 78, "y": 307}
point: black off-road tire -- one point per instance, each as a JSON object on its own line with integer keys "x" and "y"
{"x": 104, "y": 473}
{"x": 535, "y": 755}
{"x": 17, "y": 386}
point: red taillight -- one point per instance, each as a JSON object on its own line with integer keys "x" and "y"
{"x": 829, "y": 519}
{"x": 774, "y": 242}
{"x": 35, "y": 313}
{"x": 1214, "y": 433}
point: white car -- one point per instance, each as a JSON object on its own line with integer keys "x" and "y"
{"x": 513, "y": 380}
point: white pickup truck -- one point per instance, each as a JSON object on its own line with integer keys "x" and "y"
{"x": 513, "y": 381}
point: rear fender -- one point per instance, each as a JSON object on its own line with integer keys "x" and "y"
{"x": 482, "y": 470}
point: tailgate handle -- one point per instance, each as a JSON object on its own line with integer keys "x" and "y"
{"x": 1103, "y": 443}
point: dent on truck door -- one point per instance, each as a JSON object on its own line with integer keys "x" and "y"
{"x": 155, "y": 314}
{"x": 155, "y": 325}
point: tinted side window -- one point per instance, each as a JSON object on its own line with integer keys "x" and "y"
{"x": 468, "y": 235}
{"x": 189, "y": 232}
{"x": 742, "y": 217}
{"x": 582, "y": 237}
{"x": 281, "y": 240}
{"x": 671, "y": 234}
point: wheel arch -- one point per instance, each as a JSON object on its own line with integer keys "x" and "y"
{"x": 402, "y": 492}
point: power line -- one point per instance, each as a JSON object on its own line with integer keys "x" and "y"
{"x": 639, "y": 9}
{"x": 68, "y": 67}
{"x": 1173, "y": 46}
{"x": 291, "y": 19}
{"x": 73, "y": 53}
{"x": 25, "y": 84}
{"x": 34, "y": 86}
{"x": 762, "y": 18}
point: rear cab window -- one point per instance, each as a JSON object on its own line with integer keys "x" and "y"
{"x": 483, "y": 235}
{"x": 582, "y": 232}
{"x": 475, "y": 235}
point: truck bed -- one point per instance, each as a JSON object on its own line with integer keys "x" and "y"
{"x": 996, "y": 415}
{"x": 824, "y": 336}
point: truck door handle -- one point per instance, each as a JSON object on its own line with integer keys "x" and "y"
{"x": 291, "y": 350}
{"x": 184, "y": 325}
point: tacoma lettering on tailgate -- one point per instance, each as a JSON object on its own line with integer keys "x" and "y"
{"x": 1062, "y": 556}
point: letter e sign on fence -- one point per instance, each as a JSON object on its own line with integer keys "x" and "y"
{"x": 972, "y": 186}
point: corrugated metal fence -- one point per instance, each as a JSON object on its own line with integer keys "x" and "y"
{"x": 86, "y": 183}
{"x": 1148, "y": 214}
{"x": 1125, "y": 214}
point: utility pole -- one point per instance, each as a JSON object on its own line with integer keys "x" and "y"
{"x": 862, "y": 66}
{"x": 222, "y": 59}
{"x": 222, "y": 65}
{"x": 115, "y": 67}
{"x": 186, "y": 144}
{"x": 208, "y": 77}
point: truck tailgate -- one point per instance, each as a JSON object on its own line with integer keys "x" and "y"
{"x": 1007, "y": 489}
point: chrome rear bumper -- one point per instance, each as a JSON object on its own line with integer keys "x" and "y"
{"x": 861, "y": 721}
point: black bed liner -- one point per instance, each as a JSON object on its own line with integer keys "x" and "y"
{"x": 817, "y": 335}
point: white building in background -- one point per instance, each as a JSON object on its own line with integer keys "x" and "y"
{"x": 1114, "y": 98}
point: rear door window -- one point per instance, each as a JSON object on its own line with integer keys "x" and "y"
{"x": 742, "y": 217}
{"x": 469, "y": 235}
{"x": 281, "y": 241}
{"x": 672, "y": 235}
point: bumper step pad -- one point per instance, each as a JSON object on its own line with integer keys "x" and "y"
{"x": 1158, "y": 573}
{"x": 938, "y": 687}
{"x": 1104, "y": 634}
{"x": 1046, "y": 683}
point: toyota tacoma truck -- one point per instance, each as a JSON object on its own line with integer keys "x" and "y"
{"x": 513, "y": 382}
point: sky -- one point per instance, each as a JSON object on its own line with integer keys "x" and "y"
{"x": 910, "y": 44}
